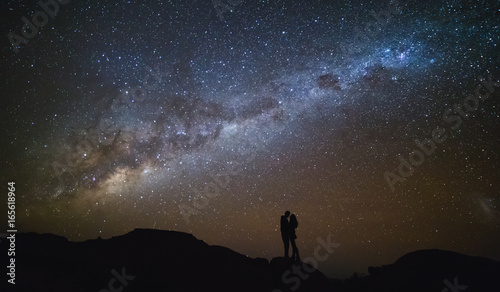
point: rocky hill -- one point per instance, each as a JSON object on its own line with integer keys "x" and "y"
{"x": 156, "y": 260}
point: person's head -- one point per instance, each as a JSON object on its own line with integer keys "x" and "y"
{"x": 293, "y": 220}
{"x": 287, "y": 213}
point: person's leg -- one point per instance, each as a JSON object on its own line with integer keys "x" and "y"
{"x": 294, "y": 249}
{"x": 287, "y": 248}
{"x": 286, "y": 243}
{"x": 297, "y": 257}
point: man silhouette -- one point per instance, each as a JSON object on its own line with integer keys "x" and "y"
{"x": 285, "y": 232}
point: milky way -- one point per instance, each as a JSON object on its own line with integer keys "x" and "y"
{"x": 166, "y": 115}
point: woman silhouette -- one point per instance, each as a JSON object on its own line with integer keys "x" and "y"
{"x": 292, "y": 225}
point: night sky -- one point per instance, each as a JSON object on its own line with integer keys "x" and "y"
{"x": 212, "y": 119}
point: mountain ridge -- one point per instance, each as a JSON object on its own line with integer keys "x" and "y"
{"x": 164, "y": 260}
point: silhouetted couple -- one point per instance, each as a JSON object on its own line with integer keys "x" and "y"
{"x": 288, "y": 234}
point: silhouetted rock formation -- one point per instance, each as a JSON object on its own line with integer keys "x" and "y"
{"x": 155, "y": 260}
{"x": 144, "y": 260}
{"x": 297, "y": 276}
{"x": 429, "y": 270}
